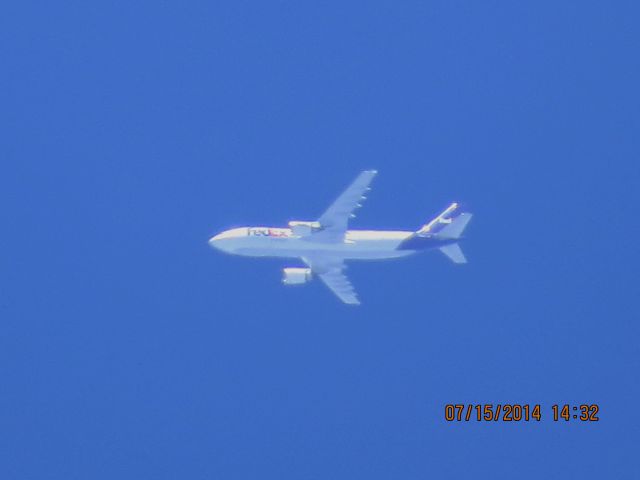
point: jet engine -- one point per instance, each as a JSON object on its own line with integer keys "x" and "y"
{"x": 303, "y": 229}
{"x": 296, "y": 276}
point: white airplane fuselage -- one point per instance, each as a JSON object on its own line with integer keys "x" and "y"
{"x": 280, "y": 242}
{"x": 325, "y": 245}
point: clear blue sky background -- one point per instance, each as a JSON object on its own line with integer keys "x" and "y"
{"x": 133, "y": 131}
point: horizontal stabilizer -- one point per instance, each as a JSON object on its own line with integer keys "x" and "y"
{"x": 454, "y": 252}
{"x": 454, "y": 229}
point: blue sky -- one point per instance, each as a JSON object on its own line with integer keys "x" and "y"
{"x": 133, "y": 131}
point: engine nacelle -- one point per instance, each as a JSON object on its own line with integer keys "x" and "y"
{"x": 302, "y": 229}
{"x": 296, "y": 276}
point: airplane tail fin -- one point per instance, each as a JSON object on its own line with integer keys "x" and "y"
{"x": 438, "y": 223}
{"x": 455, "y": 227}
{"x": 448, "y": 225}
{"x": 453, "y": 231}
{"x": 454, "y": 252}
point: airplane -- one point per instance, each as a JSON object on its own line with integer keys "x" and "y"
{"x": 325, "y": 244}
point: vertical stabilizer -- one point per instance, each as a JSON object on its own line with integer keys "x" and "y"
{"x": 455, "y": 228}
{"x": 438, "y": 223}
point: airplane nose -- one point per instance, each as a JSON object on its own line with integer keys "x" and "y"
{"x": 220, "y": 242}
{"x": 225, "y": 241}
{"x": 213, "y": 241}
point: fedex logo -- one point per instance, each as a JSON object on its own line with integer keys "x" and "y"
{"x": 269, "y": 232}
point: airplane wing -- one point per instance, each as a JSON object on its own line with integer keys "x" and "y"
{"x": 335, "y": 219}
{"x": 331, "y": 272}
